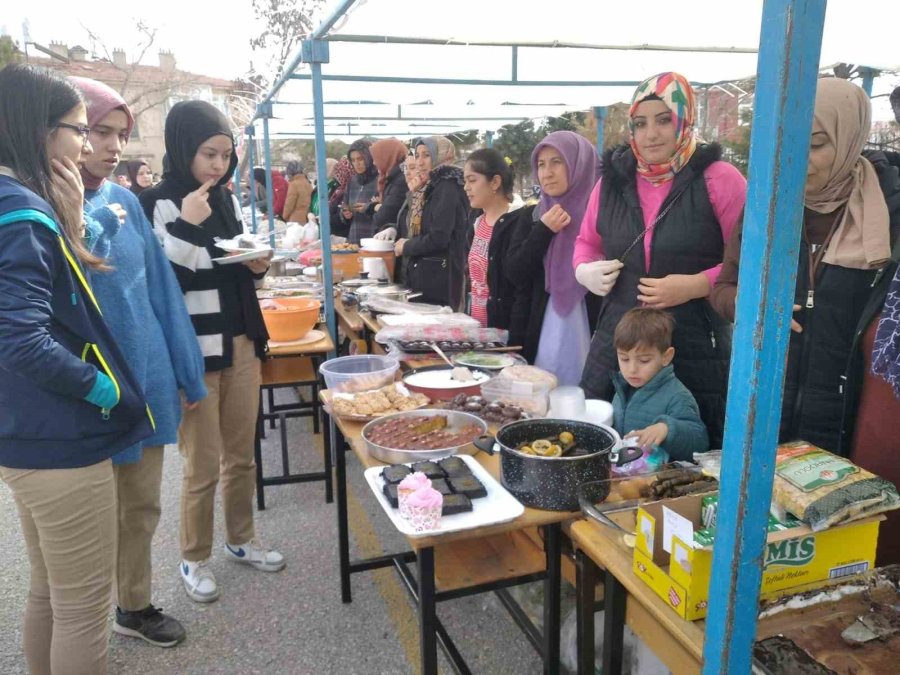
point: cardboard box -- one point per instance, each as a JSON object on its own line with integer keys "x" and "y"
{"x": 794, "y": 557}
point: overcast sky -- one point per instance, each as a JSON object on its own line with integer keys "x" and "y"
{"x": 213, "y": 39}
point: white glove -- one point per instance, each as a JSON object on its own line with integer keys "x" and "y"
{"x": 599, "y": 277}
{"x": 387, "y": 234}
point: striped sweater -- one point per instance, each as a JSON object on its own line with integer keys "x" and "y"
{"x": 221, "y": 299}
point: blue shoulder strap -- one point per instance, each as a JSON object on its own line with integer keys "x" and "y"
{"x": 29, "y": 214}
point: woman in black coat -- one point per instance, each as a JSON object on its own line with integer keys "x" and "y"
{"x": 389, "y": 155}
{"x": 494, "y": 300}
{"x": 433, "y": 236}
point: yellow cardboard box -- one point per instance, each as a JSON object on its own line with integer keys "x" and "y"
{"x": 794, "y": 557}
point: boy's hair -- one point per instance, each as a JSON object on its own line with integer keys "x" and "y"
{"x": 644, "y": 326}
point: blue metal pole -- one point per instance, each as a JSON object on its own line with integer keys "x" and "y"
{"x": 315, "y": 53}
{"x": 788, "y": 61}
{"x": 868, "y": 79}
{"x": 600, "y": 116}
{"x": 270, "y": 201}
{"x": 236, "y": 179}
{"x": 251, "y": 184}
{"x": 489, "y": 138}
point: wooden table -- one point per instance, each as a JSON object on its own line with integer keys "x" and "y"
{"x": 288, "y": 366}
{"x": 350, "y": 322}
{"x": 627, "y": 600}
{"x": 458, "y": 564}
{"x": 679, "y": 643}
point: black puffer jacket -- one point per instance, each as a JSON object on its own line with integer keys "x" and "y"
{"x": 688, "y": 240}
{"x": 825, "y": 365}
{"x": 527, "y": 247}
{"x": 395, "y": 190}
{"x": 436, "y": 259}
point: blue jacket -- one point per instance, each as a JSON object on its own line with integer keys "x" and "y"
{"x": 662, "y": 399}
{"x": 145, "y": 310}
{"x": 53, "y": 340}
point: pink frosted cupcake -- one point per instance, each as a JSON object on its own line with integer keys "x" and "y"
{"x": 424, "y": 509}
{"x": 407, "y": 486}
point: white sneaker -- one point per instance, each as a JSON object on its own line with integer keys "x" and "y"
{"x": 199, "y": 582}
{"x": 253, "y": 553}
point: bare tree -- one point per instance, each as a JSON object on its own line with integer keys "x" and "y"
{"x": 286, "y": 23}
{"x": 141, "y": 96}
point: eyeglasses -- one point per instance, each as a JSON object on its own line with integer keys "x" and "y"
{"x": 81, "y": 130}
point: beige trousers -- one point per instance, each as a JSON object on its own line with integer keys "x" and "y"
{"x": 69, "y": 523}
{"x": 216, "y": 439}
{"x": 138, "y": 510}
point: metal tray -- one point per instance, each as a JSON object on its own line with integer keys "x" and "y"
{"x": 399, "y": 456}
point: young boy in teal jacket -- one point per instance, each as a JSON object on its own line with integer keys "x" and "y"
{"x": 651, "y": 405}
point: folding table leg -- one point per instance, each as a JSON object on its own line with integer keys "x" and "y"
{"x": 427, "y": 611}
{"x": 614, "y": 598}
{"x": 337, "y": 446}
{"x": 586, "y": 581}
{"x": 553, "y": 549}
{"x": 257, "y": 455}
{"x": 329, "y": 454}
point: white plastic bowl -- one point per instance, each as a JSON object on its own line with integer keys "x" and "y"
{"x": 379, "y": 245}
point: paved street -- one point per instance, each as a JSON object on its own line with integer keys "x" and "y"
{"x": 293, "y": 621}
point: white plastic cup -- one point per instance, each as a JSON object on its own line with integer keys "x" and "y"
{"x": 568, "y": 403}
{"x": 375, "y": 268}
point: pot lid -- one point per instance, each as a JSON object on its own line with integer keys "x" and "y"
{"x": 387, "y": 289}
{"x": 356, "y": 283}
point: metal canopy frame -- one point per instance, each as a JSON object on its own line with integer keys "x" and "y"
{"x": 787, "y": 69}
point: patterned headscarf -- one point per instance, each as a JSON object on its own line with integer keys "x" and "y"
{"x": 676, "y": 93}
{"x": 343, "y": 172}
{"x": 442, "y": 152}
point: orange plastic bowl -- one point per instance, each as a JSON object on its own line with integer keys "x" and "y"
{"x": 293, "y": 320}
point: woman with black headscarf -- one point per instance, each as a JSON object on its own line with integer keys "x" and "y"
{"x": 189, "y": 209}
{"x": 361, "y": 192}
{"x": 140, "y": 175}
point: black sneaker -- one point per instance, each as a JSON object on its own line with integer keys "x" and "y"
{"x": 151, "y": 625}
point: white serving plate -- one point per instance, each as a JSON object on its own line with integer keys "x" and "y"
{"x": 498, "y": 507}
{"x": 441, "y": 379}
{"x": 255, "y": 254}
{"x": 500, "y": 359}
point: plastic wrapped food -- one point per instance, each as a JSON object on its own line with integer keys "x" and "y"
{"x": 824, "y": 490}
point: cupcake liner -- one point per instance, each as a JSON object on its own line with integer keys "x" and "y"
{"x": 402, "y": 497}
{"x": 424, "y": 518}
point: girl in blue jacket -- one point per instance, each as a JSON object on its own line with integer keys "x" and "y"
{"x": 68, "y": 400}
{"x": 148, "y": 318}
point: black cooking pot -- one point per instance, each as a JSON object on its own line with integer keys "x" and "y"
{"x": 552, "y": 482}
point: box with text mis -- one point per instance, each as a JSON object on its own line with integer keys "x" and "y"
{"x": 668, "y": 560}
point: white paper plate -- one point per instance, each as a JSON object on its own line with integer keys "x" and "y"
{"x": 255, "y": 254}
{"x": 498, "y": 507}
{"x": 596, "y": 411}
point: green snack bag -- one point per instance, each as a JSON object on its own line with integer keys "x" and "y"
{"x": 704, "y": 537}
{"x": 709, "y": 507}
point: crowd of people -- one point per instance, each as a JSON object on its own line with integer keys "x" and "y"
{"x": 119, "y": 335}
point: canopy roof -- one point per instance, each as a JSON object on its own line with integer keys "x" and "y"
{"x": 582, "y": 54}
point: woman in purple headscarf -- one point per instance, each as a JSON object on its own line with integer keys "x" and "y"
{"x": 557, "y": 325}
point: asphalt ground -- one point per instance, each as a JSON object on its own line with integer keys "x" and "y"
{"x": 292, "y": 621}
